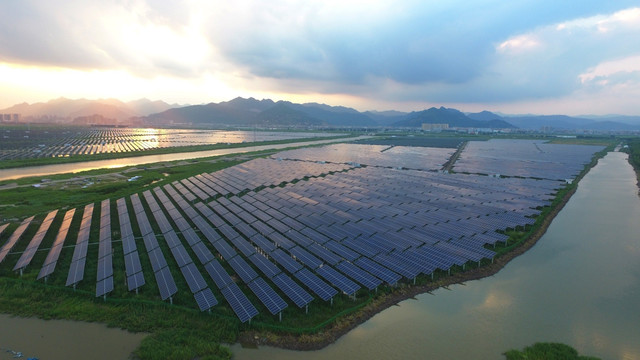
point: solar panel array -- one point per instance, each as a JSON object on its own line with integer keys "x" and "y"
{"x": 133, "y": 267}
{"x": 78, "y": 261}
{"x": 34, "y": 244}
{"x": 104, "y": 278}
{"x": 54, "y": 253}
{"x": 420, "y": 158}
{"x": 302, "y": 229}
{"x": 13, "y": 239}
{"x": 526, "y": 158}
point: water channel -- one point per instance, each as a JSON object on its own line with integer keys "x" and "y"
{"x": 46, "y": 170}
{"x": 579, "y": 285}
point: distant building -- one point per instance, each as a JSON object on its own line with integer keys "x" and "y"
{"x": 10, "y": 117}
{"x": 434, "y": 127}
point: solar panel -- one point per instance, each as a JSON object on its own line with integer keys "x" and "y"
{"x": 266, "y": 266}
{"x": 324, "y": 254}
{"x": 202, "y": 252}
{"x": 239, "y": 303}
{"x": 13, "y": 239}
{"x": 76, "y": 272}
{"x": 305, "y": 257}
{"x": 286, "y": 261}
{"x": 193, "y": 277}
{"x": 267, "y": 296}
{"x": 157, "y": 259}
{"x": 205, "y": 299}
{"x": 296, "y": 293}
{"x": 135, "y": 281}
{"x": 104, "y": 286}
{"x": 243, "y": 269}
{"x": 359, "y": 275}
{"x": 132, "y": 263}
{"x": 319, "y": 287}
{"x": 191, "y": 237}
{"x": 225, "y": 249}
{"x": 243, "y": 245}
{"x": 166, "y": 284}
{"x": 105, "y": 268}
{"x": 218, "y": 274}
{"x": 172, "y": 239}
{"x": 181, "y": 256}
{"x": 338, "y": 280}
{"x": 378, "y": 270}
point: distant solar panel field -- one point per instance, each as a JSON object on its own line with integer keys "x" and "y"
{"x": 304, "y": 225}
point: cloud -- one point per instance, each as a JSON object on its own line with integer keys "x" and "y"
{"x": 413, "y": 51}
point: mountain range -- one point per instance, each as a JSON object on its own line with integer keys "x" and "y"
{"x": 266, "y": 112}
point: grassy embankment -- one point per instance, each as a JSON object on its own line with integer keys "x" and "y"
{"x": 18, "y": 163}
{"x": 179, "y": 331}
{"x": 547, "y": 351}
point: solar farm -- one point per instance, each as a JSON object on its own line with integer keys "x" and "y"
{"x": 298, "y": 227}
{"x": 41, "y": 143}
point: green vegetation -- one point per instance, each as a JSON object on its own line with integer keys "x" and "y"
{"x": 547, "y": 351}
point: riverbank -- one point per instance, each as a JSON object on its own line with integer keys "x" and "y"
{"x": 309, "y": 342}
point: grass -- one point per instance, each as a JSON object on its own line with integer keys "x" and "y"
{"x": 546, "y": 351}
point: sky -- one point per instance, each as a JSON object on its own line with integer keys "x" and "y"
{"x": 516, "y": 57}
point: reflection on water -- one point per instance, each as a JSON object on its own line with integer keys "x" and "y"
{"x": 63, "y": 340}
{"x": 579, "y": 285}
{"x": 45, "y": 170}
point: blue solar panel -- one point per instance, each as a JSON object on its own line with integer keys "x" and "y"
{"x": 243, "y": 269}
{"x": 267, "y": 267}
{"x": 324, "y": 254}
{"x": 263, "y": 243}
{"x": 132, "y": 263}
{"x": 166, "y": 284}
{"x": 267, "y": 296}
{"x": 225, "y": 249}
{"x": 305, "y": 257}
{"x": 202, "y": 252}
{"x": 244, "y": 246}
{"x": 205, "y": 299}
{"x": 239, "y": 303}
{"x": 378, "y": 270}
{"x": 218, "y": 274}
{"x": 181, "y": 256}
{"x": 296, "y": 293}
{"x": 359, "y": 275}
{"x": 171, "y": 239}
{"x": 157, "y": 259}
{"x": 135, "y": 281}
{"x": 193, "y": 277}
{"x": 191, "y": 237}
{"x": 321, "y": 288}
{"x": 286, "y": 261}
{"x": 76, "y": 272}
{"x": 338, "y": 280}
{"x": 104, "y": 286}
{"x": 105, "y": 268}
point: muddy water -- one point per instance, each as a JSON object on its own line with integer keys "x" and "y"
{"x": 580, "y": 285}
{"x": 64, "y": 340}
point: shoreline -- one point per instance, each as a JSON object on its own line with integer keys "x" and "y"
{"x": 310, "y": 342}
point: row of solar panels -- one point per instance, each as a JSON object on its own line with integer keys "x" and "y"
{"x": 263, "y": 226}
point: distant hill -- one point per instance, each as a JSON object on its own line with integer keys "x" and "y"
{"x": 240, "y": 111}
{"x": 484, "y": 116}
{"x": 284, "y": 114}
{"x": 453, "y": 117}
{"x": 386, "y": 118}
{"x": 70, "y": 109}
{"x": 252, "y": 112}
